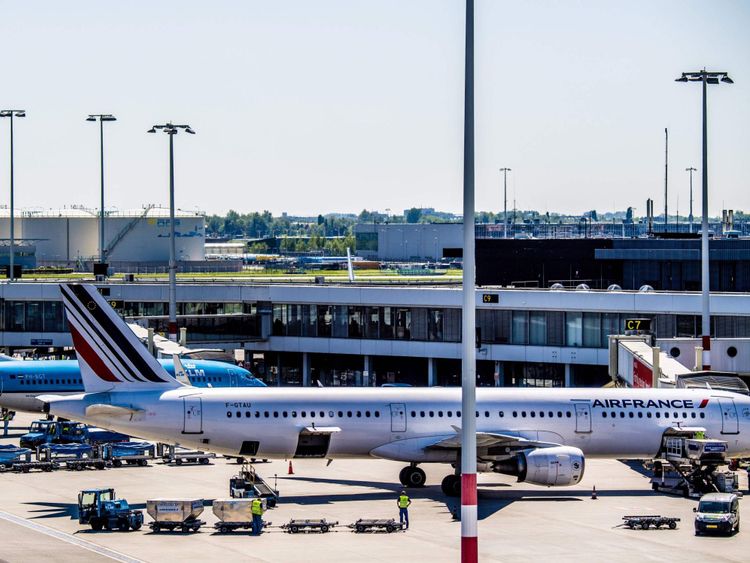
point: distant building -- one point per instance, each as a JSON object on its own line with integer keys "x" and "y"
{"x": 71, "y": 236}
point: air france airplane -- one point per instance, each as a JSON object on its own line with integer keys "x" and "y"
{"x": 21, "y": 382}
{"x": 542, "y": 436}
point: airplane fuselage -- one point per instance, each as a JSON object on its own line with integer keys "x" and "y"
{"x": 401, "y": 423}
{"x": 22, "y": 381}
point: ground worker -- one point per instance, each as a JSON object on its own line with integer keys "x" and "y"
{"x": 256, "y": 507}
{"x": 7, "y": 416}
{"x": 403, "y": 508}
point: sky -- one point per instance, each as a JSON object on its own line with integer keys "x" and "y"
{"x": 308, "y": 107}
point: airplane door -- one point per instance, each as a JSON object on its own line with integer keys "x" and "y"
{"x": 193, "y": 417}
{"x": 398, "y": 417}
{"x": 730, "y": 423}
{"x": 583, "y": 417}
{"x": 232, "y": 378}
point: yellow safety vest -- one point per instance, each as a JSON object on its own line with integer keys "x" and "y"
{"x": 403, "y": 501}
{"x": 257, "y": 507}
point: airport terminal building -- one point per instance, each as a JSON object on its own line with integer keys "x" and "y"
{"x": 368, "y": 334}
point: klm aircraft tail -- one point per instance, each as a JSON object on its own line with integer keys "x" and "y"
{"x": 110, "y": 356}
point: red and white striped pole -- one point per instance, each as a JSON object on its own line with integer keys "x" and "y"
{"x": 469, "y": 546}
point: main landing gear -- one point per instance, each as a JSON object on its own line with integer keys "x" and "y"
{"x": 451, "y": 485}
{"x": 412, "y": 476}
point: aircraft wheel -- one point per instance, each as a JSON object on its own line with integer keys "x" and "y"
{"x": 402, "y": 476}
{"x": 414, "y": 477}
{"x": 451, "y": 485}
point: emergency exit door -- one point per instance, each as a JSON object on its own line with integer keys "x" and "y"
{"x": 398, "y": 417}
{"x": 193, "y": 415}
{"x": 730, "y": 423}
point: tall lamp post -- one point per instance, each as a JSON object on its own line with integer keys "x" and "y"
{"x": 468, "y": 455}
{"x": 171, "y": 129}
{"x": 706, "y": 78}
{"x": 101, "y": 118}
{"x": 12, "y": 113}
{"x": 691, "y": 170}
{"x": 505, "y": 201}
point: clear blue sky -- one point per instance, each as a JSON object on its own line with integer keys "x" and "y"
{"x": 339, "y": 105}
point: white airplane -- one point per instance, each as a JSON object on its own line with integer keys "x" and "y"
{"x": 542, "y": 436}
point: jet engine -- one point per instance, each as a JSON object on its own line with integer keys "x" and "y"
{"x": 558, "y": 466}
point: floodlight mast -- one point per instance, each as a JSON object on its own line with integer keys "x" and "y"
{"x": 705, "y": 77}
{"x": 172, "y": 129}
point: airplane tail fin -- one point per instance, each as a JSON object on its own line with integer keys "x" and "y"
{"x": 110, "y": 356}
{"x": 180, "y": 374}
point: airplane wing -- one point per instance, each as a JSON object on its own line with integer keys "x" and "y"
{"x": 491, "y": 440}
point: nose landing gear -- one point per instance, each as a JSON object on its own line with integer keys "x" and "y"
{"x": 412, "y": 476}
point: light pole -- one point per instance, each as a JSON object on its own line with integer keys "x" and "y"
{"x": 691, "y": 170}
{"x": 505, "y": 201}
{"x": 172, "y": 130}
{"x": 666, "y": 177}
{"x": 12, "y": 113}
{"x": 101, "y": 118}
{"x": 706, "y": 78}
{"x": 468, "y": 455}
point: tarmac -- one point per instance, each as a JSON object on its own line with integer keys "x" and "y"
{"x": 518, "y": 522}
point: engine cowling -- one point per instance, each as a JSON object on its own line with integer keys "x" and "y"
{"x": 551, "y": 467}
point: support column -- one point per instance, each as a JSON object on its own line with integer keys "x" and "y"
{"x": 431, "y": 372}
{"x": 278, "y": 370}
{"x": 305, "y": 369}
{"x": 366, "y": 372}
{"x": 568, "y": 376}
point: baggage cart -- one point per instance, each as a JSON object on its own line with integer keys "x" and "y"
{"x": 388, "y": 525}
{"x": 313, "y": 525}
{"x": 170, "y": 453}
{"x": 128, "y": 453}
{"x": 172, "y": 514}
{"x": 645, "y": 522}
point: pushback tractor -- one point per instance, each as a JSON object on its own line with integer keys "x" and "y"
{"x": 99, "y": 508}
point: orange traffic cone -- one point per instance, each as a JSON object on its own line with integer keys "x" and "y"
{"x": 593, "y": 492}
{"x": 291, "y": 469}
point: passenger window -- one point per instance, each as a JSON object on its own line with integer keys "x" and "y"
{"x": 604, "y": 414}
{"x": 658, "y": 415}
{"x": 414, "y": 414}
{"x": 276, "y": 414}
{"x": 229, "y": 414}
{"x": 502, "y": 414}
{"x": 533, "y": 414}
{"x": 559, "y": 414}
{"x": 421, "y": 413}
{"x": 432, "y": 413}
{"x": 567, "y": 413}
{"x": 458, "y": 414}
{"x": 630, "y": 414}
{"x": 303, "y": 414}
{"x": 622, "y": 414}
{"x": 523, "y": 414}
{"x": 486, "y": 414}
{"x": 449, "y": 414}
{"x": 541, "y": 414}
{"x": 239, "y": 414}
{"x": 312, "y": 414}
{"x": 648, "y": 415}
{"x": 284, "y": 414}
{"x": 322, "y": 414}
{"x": 377, "y": 414}
{"x": 676, "y": 415}
{"x": 359, "y": 414}
{"x": 703, "y": 415}
{"x": 515, "y": 414}
{"x": 692, "y": 415}
{"x": 640, "y": 414}
{"x": 367, "y": 414}
{"x": 294, "y": 414}
{"x": 349, "y": 414}
{"x": 257, "y": 414}
{"x": 265, "y": 413}
{"x": 247, "y": 414}
{"x": 330, "y": 413}
{"x": 440, "y": 414}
